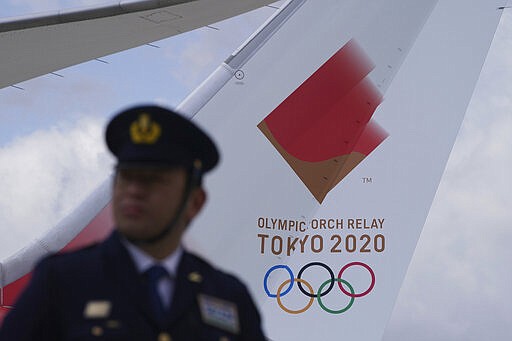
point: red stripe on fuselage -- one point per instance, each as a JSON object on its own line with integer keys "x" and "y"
{"x": 95, "y": 231}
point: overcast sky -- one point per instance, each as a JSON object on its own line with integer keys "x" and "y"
{"x": 52, "y": 156}
{"x": 458, "y": 286}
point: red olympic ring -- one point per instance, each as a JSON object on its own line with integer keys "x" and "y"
{"x": 363, "y": 293}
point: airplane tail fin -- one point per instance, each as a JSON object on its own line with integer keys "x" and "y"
{"x": 335, "y": 122}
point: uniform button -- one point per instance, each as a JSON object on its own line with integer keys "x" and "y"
{"x": 164, "y": 337}
{"x": 113, "y": 324}
{"x": 195, "y": 277}
{"x": 97, "y": 331}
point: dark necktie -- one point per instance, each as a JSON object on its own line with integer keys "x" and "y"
{"x": 153, "y": 275}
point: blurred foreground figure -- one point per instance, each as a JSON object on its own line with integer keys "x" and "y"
{"x": 140, "y": 284}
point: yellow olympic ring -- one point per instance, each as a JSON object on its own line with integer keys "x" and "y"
{"x": 311, "y": 300}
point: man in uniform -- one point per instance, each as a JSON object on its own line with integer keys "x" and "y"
{"x": 140, "y": 284}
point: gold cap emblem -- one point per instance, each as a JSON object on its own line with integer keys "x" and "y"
{"x": 144, "y": 130}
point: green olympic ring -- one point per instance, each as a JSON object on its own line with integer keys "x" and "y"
{"x": 319, "y": 297}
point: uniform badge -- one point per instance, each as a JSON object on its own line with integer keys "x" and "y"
{"x": 144, "y": 130}
{"x": 97, "y": 309}
{"x": 219, "y": 313}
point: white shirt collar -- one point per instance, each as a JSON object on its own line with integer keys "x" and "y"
{"x": 143, "y": 261}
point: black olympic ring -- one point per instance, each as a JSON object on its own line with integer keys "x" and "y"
{"x": 323, "y": 266}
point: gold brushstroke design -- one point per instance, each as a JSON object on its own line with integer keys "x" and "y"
{"x": 319, "y": 177}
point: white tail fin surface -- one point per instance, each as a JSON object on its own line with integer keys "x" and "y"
{"x": 330, "y": 164}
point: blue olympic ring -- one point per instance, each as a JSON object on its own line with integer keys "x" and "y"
{"x": 265, "y": 280}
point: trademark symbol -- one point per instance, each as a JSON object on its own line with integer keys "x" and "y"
{"x": 366, "y": 180}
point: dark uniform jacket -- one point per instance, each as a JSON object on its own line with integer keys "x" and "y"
{"x": 97, "y": 294}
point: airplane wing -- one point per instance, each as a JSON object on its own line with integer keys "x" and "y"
{"x": 335, "y": 120}
{"x": 36, "y": 45}
{"x": 39, "y": 44}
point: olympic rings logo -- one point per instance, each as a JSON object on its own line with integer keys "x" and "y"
{"x": 311, "y": 293}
